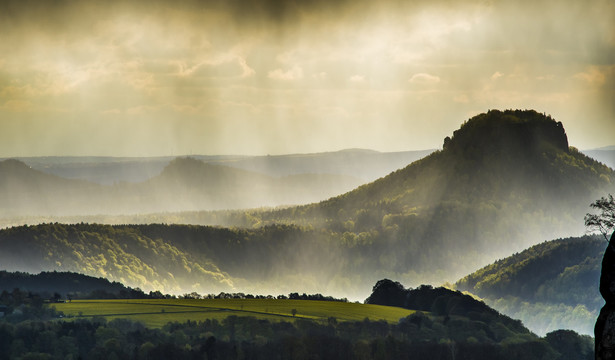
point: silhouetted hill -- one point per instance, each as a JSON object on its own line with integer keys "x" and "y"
{"x": 63, "y": 283}
{"x": 438, "y": 301}
{"x": 496, "y": 156}
{"x": 467, "y": 318}
{"x": 548, "y": 286}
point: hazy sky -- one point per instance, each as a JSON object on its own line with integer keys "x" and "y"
{"x": 176, "y": 77}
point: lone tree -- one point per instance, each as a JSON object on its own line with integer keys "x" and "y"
{"x": 605, "y": 221}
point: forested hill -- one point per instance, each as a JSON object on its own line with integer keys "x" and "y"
{"x": 519, "y": 157}
{"x": 504, "y": 181}
{"x": 546, "y": 285}
{"x": 439, "y": 301}
{"x": 64, "y": 284}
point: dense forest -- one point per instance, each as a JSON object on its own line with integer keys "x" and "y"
{"x": 457, "y": 326}
{"x": 549, "y": 285}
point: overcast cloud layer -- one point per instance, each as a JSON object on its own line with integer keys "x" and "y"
{"x": 138, "y": 78}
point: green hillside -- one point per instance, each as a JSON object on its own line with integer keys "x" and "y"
{"x": 504, "y": 181}
{"x": 548, "y": 286}
{"x": 269, "y": 329}
{"x": 118, "y": 254}
{"x": 156, "y": 313}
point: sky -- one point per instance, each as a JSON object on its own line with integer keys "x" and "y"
{"x": 256, "y": 77}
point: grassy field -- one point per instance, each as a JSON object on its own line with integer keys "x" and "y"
{"x": 156, "y": 313}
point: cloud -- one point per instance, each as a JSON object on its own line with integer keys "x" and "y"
{"x": 16, "y": 106}
{"x": 592, "y": 75}
{"x": 424, "y": 78}
{"x": 229, "y": 67}
{"x": 321, "y": 75}
{"x": 496, "y": 75}
{"x": 294, "y": 73}
{"x": 198, "y": 66}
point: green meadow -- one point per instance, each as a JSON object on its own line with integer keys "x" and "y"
{"x": 157, "y": 312}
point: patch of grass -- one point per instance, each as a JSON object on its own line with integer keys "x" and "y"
{"x": 157, "y": 312}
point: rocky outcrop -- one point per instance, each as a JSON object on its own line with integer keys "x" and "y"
{"x": 605, "y": 325}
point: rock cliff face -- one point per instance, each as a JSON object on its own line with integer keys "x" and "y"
{"x": 605, "y": 325}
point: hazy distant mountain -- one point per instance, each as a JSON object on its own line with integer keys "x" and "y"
{"x": 604, "y": 155}
{"x": 549, "y": 286}
{"x": 366, "y": 165}
{"x": 183, "y": 185}
{"x": 24, "y": 190}
{"x": 606, "y": 148}
{"x": 100, "y": 170}
{"x": 190, "y": 184}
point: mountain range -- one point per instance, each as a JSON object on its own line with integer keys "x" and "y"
{"x": 504, "y": 181}
{"x": 363, "y": 164}
{"x": 184, "y": 184}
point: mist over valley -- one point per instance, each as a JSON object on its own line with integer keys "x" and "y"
{"x": 504, "y": 181}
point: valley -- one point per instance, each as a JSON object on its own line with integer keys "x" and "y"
{"x": 504, "y": 183}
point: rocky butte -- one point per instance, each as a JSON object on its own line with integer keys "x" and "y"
{"x": 605, "y": 325}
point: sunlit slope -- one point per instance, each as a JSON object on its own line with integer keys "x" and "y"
{"x": 548, "y": 286}
{"x": 118, "y": 254}
{"x": 179, "y": 258}
{"x": 503, "y": 181}
{"x": 155, "y": 313}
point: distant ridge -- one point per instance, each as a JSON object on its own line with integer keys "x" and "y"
{"x": 365, "y": 164}
{"x": 185, "y": 184}
{"x": 605, "y": 155}
{"x": 604, "y": 148}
